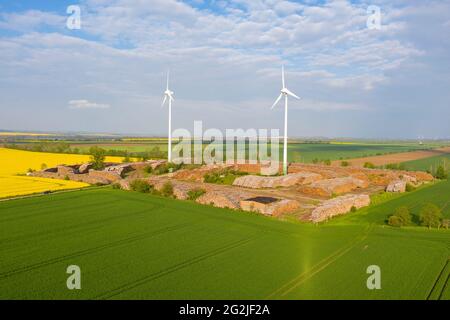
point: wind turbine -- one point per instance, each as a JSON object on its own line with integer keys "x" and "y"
{"x": 285, "y": 92}
{"x": 168, "y": 96}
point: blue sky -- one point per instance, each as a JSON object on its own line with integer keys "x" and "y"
{"x": 225, "y": 59}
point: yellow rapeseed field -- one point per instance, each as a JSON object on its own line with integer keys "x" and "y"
{"x": 16, "y": 162}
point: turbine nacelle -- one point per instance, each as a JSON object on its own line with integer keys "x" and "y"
{"x": 285, "y": 92}
{"x": 168, "y": 93}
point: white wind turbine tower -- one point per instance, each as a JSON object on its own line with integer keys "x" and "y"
{"x": 284, "y": 92}
{"x": 168, "y": 96}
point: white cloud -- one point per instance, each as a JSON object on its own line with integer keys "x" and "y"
{"x": 320, "y": 106}
{"x": 30, "y": 20}
{"x": 85, "y": 104}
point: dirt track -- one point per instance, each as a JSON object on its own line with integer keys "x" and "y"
{"x": 394, "y": 158}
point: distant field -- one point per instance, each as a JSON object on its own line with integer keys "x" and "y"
{"x": 131, "y": 245}
{"x": 397, "y": 158}
{"x": 297, "y": 152}
{"x": 336, "y": 151}
{"x": 14, "y": 162}
{"x": 130, "y": 147}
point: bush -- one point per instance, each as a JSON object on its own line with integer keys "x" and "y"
{"x": 395, "y": 221}
{"x": 66, "y": 177}
{"x": 194, "y": 194}
{"x": 97, "y": 157}
{"x": 43, "y": 166}
{"x": 212, "y": 177}
{"x": 116, "y": 186}
{"x": 315, "y": 160}
{"x": 430, "y": 215}
{"x": 167, "y": 189}
{"x": 226, "y": 177}
{"x": 440, "y": 173}
{"x": 141, "y": 186}
{"x": 410, "y": 187}
{"x": 345, "y": 163}
{"x": 148, "y": 169}
{"x": 401, "y": 217}
{"x": 167, "y": 167}
{"x": 369, "y": 165}
{"x": 395, "y": 166}
{"x": 353, "y": 209}
{"x": 327, "y": 162}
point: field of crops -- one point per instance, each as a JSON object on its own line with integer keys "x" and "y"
{"x": 429, "y": 164}
{"x": 17, "y": 162}
{"x": 297, "y": 152}
{"x": 131, "y": 245}
{"x": 335, "y": 151}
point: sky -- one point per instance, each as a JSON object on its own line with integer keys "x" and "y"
{"x": 356, "y": 78}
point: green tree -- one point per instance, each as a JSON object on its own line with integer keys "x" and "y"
{"x": 395, "y": 221}
{"x": 144, "y": 157}
{"x": 401, "y": 217}
{"x": 440, "y": 173}
{"x": 404, "y": 214}
{"x": 430, "y": 216}
{"x": 141, "y": 186}
{"x": 97, "y": 157}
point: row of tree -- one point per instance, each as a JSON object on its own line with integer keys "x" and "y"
{"x": 429, "y": 216}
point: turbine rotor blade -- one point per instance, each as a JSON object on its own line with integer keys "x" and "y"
{"x": 292, "y": 94}
{"x": 168, "y": 74}
{"x": 164, "y": 100}
{"x": 171, "y": 97}
{"x": 276, "y": 101}
{"x": 282, "y": 77}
